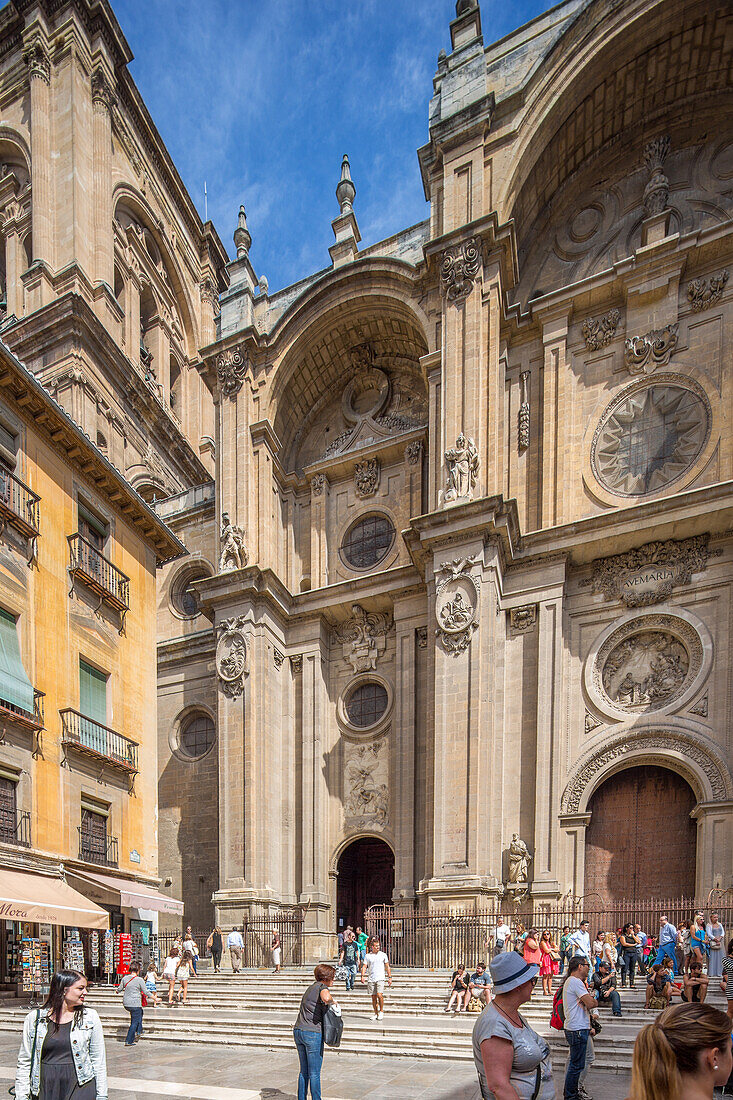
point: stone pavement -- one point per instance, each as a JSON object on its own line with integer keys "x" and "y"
{"x": 207, "y": 1072}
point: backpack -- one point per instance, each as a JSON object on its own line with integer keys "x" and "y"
{"x": 557, "y": 1019}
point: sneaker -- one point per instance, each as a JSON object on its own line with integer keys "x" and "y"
{"x": 375, "y": 1016}
{"x": 583, "y": 1094}
{"x": 380, "y": 1016}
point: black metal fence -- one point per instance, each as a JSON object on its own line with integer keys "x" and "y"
{"x": 257, "y": 935}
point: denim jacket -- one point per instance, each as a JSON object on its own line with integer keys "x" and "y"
{"x": 87, "y": 1048}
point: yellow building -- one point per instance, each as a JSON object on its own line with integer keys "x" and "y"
{"x": 79, "y": 549}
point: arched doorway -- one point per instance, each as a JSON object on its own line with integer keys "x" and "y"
{"x": 365, "y": 877}
{"x": 625, "y": 854}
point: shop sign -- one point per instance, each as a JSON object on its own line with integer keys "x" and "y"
{"x": 134, "y": 856}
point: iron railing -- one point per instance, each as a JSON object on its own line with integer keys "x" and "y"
{"x": 97, "y": 740}
{"x": 15, "y": 827}
{"x": 19, "y": 505}
{"x": 33, "y": 720}
{"x": 98, "y": 572}
{"x": 257, "y": 936}
{"x": 98, "y": 848}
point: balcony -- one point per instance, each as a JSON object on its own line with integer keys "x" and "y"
{"x": 98, "y": 741}
{"x": 11, "y": 712}
{"x": 98, "y": 848}
{"x": 15, "y": 827}
{"x": 19, "y": 508}
{"x": 99, "y": 574}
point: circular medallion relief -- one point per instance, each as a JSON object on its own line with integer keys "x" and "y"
{"x": 649, "y": 437}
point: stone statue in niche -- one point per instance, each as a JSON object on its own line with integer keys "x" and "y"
{"x": 519, "y": 860}
{"x": 646, "y": 670}
{"x": 463, "y": 464}
{"x": 234, "y": 553}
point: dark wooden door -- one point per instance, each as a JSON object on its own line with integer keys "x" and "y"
{"x": 641, "y": 841}
{"x": 8, "y": 794}
{"x": 365, "y": 877}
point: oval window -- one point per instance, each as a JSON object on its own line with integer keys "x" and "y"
{"x": 183, "y": 596}
{"x": 366, "y": 704}
{"x": 367, "y": 542}
{"x": 197, "y": 736}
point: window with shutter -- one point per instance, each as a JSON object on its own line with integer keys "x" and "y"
{"x": 15, "y": 687}
{"x": 93, "y": 705}
{"x": 8, "y": 807}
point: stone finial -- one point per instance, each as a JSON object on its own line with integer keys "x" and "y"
{"x": 442, "y": 61}
{"x": 242, "y": 235}
{"x": 263, "y": 285}
{"x": 463, "y": 6}
{"x": 656, "y": 191}
{"x": 345, "y": 192}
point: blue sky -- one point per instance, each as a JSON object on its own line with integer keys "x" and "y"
{"x": 261, "y": 99}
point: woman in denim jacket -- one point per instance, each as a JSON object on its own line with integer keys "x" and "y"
{"x": 62, "y": 1049}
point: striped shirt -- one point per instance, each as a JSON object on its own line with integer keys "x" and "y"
{"x": 728, "y": 975}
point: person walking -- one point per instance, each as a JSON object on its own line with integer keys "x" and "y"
{"x": 502, "y": 935}
{"x": 726, "y": 982}
{"x": 349, "y": 958}
{"x": 62, "y": 1047}
{"x": 235, "y": 944}
{"x": 604, "y": 987}
{"x": 151, "y": 984}
{"x": 667, "y": 942}
{"x": 169, "y": 972}
{"x": 215, "y": 945}
{"x": 629, "y": 945}
{"x": 577, "y": 1004}
{"x": 277, "y": 951}
{"x": 134, "y": 996}
{"x": 683, "y": 1055}
{"x": 183, "y": 972}
{"x": 511, "y": 1059}
{"x": 190, "y": 945}
{"x": 361, "y": 939}
{"x": 376, "y": 965}
{"x": 716, "y": 939}
{"x": 308, "y": 1030}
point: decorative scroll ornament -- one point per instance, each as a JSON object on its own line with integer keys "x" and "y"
{"x": 413, "y": 453}
{"x": 366, "y": 790}
{"x": 643, "y": 354}
{"x": 278, "y": 658}
{"x": 459, "y": 268}
{"x": 463, "y": 465}
{"x": 598, "y": 334}
{"x": 102, "y": 94}
{"x": 642, "y": 577}
{"x": 656, "y": 191}
{"x": 422, "y": 637}
{"x": 231, "y": 656}
{"x": 523, "y": 618}
{"x": 364, "y": 637}
{"x": 317, "y": 483}
{"x": 37, "y": 59}
{"x": 234, "y": 554}
{"x": 231, "y": 368}
{"x": 456, "y": 604}
{"x": 703, "y": 293}
{"x": 296, "y": 662}
{"x": 524, "y": 414}
{"x": 366, "y": 477}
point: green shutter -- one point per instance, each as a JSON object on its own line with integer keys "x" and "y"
{"x": 92, "y": 693}
{"x": 15, "y": 687}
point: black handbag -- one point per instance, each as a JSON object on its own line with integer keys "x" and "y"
{"x": 333, "y": 1027}
{"x": 31, "y": 1094}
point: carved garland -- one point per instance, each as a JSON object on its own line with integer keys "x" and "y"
{"x": 701, "y": 293}
{"x": 598, "y": 334}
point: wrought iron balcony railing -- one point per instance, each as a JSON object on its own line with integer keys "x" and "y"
{"x": 98, "y": 848}
{"x": 15, "y": 827}
{"x": 20, "y": 507}
{"x": 94, "y": 739}
{"x": 98, "y": 572}
{"x": 9, "y": 711}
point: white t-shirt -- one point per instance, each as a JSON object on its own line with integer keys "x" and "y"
{"x": 503, "y": 931}
{"x": 577, "y": 1016}
{"x": 375, "y": 963}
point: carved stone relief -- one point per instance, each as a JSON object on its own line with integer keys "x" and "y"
{"x": 422, "y": 636}
{"x": 231, "y": 656}
{"x": 364, "y": 637}
{"x": 459, "y": 268}
{"x": 591, "y": 722}
{"x": 456, "y": 604}
{"x": 231, "y": 368}
{"x": 656, "y": 191}
{"x": 234, "y": 554}
{"x": 648, "y": 575}
{"x": 643, "y": 354}
{"x": 317, "y": 483}
{"x": 701, "y": 706}
{"x": 703, "y": 293}
{"x": 523, "y": 619}
{"x": 413, "y": 453}
{"x": 598, "y": 334}
{"x": 463, "y": 465}
{"x": 366, "y": 784}
{"x": 523, "y": 424}
{"x": 376, "y": 405}
{"x": 366, "y": 477}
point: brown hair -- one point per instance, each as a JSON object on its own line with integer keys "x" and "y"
{"x": 671, "y": 1046}
{"x": 324, "y": 973}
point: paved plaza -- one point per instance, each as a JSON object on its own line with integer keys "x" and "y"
{"x": 214, "y": 1072}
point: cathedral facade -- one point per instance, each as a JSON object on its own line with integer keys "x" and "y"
{"x": 456, "y": 617}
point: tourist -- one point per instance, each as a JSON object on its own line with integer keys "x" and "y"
{"x": 683, "y": 1055}
{"x": 597, "y": 950}
{"x": 629, "y": 944}
{"x": 340, "y": 938}
{"x": 580, "y": 941}
{"x": 698, "y": 942}
{"x": 658, "y": 989}
{"x": 479, "y": 985}
{"x": 169, "y": 972}
{"x": 716, "y": 937}
{"x": 577, "y": 1004}
{"x": 189, "y": 944}
{"x": 609, "y": 954}
{"x": 376, "y": 965}
{"x": 133, "y": 989}
{"x": 308, "y": 1030}
{"x": 565, "y": 946}
{"x": 641, "y": 951}
{"x": 361, "y": 939}
{"x": 277, "y": 951}
{"x": 604, "y": 987}
{"x": 151, "y": 983}
{"x": 726, "y": 984}
{"x": 667, "y": 942}
{"x": 235, "y": 945}
{"x": 459, "y": 990}
{"x": 183, "y": 973}
{"x": 215, "y": 945}
{"x": 349, "y": 958}
{"x": 502, "y": 936}
{"x": 520, "y": 936}
{"x": 549, "y": 961}
{"x": 62, "y": 1048}
{"x": 511, "y": 1059}
{"x": 694, "y": 984}
{"x": 684, "y": 939}
{"x": 531, "y": 948}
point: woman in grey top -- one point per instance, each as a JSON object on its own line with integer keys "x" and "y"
{"x": 308, "y": 1030}
{"x": 512, "y": 1061}
{"x": 133, "y": 989}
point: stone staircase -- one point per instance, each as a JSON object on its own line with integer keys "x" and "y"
{"x": 258, "y": 1008}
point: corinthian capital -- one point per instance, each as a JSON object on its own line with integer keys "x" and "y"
{"x": 35, "y": 55}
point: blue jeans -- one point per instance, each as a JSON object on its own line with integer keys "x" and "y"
{"x": 136, "y": 1025}
{"x": 309, "y": 1045}
{"x": 350, "y": 975}
{"x": 667, "y": 950}
{"x": 611, "y": 996}
{"x": 577, "y": 1041}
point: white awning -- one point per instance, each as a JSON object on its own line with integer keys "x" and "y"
{"x": 47, "y": 900}
{"x": 131, "y": 895}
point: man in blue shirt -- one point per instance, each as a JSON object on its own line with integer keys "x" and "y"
{"x": 667, "y": 942}
{"x": 579, "y": 942}
{"x": 480, "y": 985}
{"x": 640, "y": 957}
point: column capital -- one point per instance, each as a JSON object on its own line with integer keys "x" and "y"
{"x": 103, "y": 96}
{"x": 37, "y": 58}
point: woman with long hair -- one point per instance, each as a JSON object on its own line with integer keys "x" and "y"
{"x": 62, "y": 1050}
{"x": 459, "y": 989}
{"x": 169, "y": 972}
{"x": 183, "y": 971}
{"x": 629, "y": 944}
{"x": 549, "y": 960}
{"x": 683, "y": 1055}
{"x": 609, "y": 954}
{"x": 698, "y": 942}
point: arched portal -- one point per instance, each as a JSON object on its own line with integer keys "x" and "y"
{"x": 630, "y": 812}
{"x": 365, "y": 877}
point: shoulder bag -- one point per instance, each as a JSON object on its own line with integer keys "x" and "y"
{"x": 333, "y": 1026}
{"x": 31, "y": 1094}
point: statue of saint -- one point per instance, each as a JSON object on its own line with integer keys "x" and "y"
{"x": 519, "y": 860}
{"x": 463, "y": 463}
{"x": 233, "y": 551}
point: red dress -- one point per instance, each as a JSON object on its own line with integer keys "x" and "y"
{"x": 546, "y": 963}
{"x": 532, "y": 955}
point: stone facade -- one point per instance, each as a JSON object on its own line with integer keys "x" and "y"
{"x": 483, "y": 474}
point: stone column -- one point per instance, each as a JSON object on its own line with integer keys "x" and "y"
{"x": 102, "y": 100}
{"x": 37, "y": 59}
{"x": 408, "y": 613}
{"x": 714, "y": 846}
{"x": 320, "y": 490}
{"x": 554, "y": 337}
{"x": 14, "y": 265}
{"x": 431, "y": 366}
{"x": 571, "y": 854}
{"x": 315, "y": 882}
{"x": 233, "y": 715}
{"x": 548, "y": 756}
